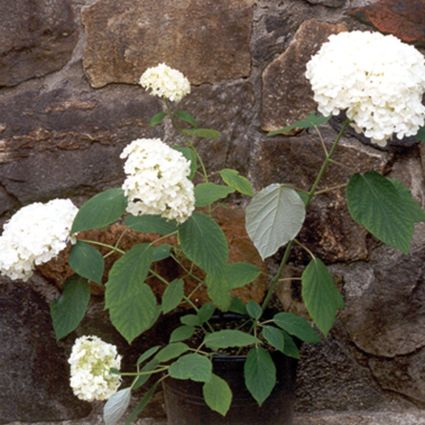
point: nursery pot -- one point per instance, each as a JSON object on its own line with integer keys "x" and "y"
{"x": 185, "y": 405}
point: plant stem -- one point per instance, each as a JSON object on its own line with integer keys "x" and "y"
{"x": 275, "y": 281}
{"x": 105, "y": 245}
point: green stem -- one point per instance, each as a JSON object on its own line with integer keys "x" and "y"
{"x": 105, "y": 245}
{"x": 275, "y": 281}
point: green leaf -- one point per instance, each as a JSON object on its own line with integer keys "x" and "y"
{"x": 100, "y": 210}
{"x": 229, "y": 338}
{"x": 241, "y": 274}
{"x": 69, "y": 309}
{"x": 173, "y": 295}
{"x": 237, "y": 306}
{"x": 375, "y": 203}
{"x": 260, "y": 374}
{"x": 157, "y": 119}
{"x": 142, "y": 403}
{"x": 205, "y": 313}
{"x": 171, "y": 351}
{"x": 290, "y": 349}
{"x": 219, "y": 290}
{"x": 132, "y": 304}
{"x": 204, "y": 243}
{"x": 116, "y": 406}
{"x": 320, "y": 295}
{"x": 148, "y": 354}
{"x": 87, "y": 261}
{"x": 254, "y": 310}
{"x": 420, "y": 135}
{"x": 161, "y": 252}
{"x": 182, "y": 333}
{"x": 186, "y": 117}
{"x": 192, "y": 366}
{"x": 190, "y": 155}
{"x": 190, "y": 320}
{"x": 151, "y": 224}
{"x": 297, "y": 326}
{"x": 274, "y": 216}
{"x": 274, "y": 337}
{"x": 415, "y": 211}
{"x": 217, "y": 394}
{"x": 233, "y": 179}
{"x": 311, "y": 120}
{"x": 203, "y": 133}
{"x": 208, "y": 193}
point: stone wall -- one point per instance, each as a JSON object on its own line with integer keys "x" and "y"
{"x": 69, "y": 103}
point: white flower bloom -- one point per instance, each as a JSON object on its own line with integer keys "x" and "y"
{"x": 157, "y": 180}
{"x": 167, "y": 82}
{"x": 91, "y": 361}
{"x": 378, "y": 80}
{"x": 34, "y": 235}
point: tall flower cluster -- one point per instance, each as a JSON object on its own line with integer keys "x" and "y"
{"x": 378, "y": 80}
{"x": 34, "y": 235}
{"x": 91, "y": 361}
{"x": 165, "y": 82}
{"x": 157, "y": 180}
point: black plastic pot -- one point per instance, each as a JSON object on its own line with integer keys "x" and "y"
{"x": 185, "y": 404}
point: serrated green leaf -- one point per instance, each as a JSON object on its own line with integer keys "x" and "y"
{"x": 69, "y": 309}
{"x": 205, "y": 313}
{"x": 151, "y": 224}
{"x": 157, "y": 119}
{"x": 241, "y": 274}
{"x": 204, "y": 243}
{"x": 217, "y": 394}
{"x": 260, "y": 374}
{"x": 190, "y": 155}
{"x": 171, "y": 351}
{"x": 375, "y": 203}
{"x": 182, "y": 333}
{"x": 203, "y": 133}
{"x": 208, "y": 193}
{"x": 192, "y": 366}
{"x": 297, "y": 326}
{"x": 100, "y": 210}
{"x": 186, "y": 117}
{"x": 415, "y": 211}
{"x": 274, "y": 216}
{"x": 229, "y": 338}
{"x": 161, "y": 252}
{"x": 320, "y": 295}
{"x": 254, "y": 310}
{"x": 218, "y": 289}
{"x": 87, "y": 261}
{"x": 132, "y": 304}
{"x": 237, "y": 306}
{"x": 116, "y": 406}
{"x": 274, "y": 337}
{"x": 173, "y": 295}
{"x": 190, "y": 320}
{"x": 290, "y": 348}
{"x": 148, "y": 354}
{"x": 311, "y": 120}
{"x": 233, "y": 179}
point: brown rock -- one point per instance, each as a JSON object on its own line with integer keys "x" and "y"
{"x": 36, "y": 38}
{"x": 208, "y": 40}
{"x": 329, "y": 230}
{"x": 34, "y": 384}
{"x": 404, "y": 19}
{"x": 287, "y": 95}
{"x": 328, "y": 3}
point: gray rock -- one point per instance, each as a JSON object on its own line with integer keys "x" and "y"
{"x": 36, "y": 38}
{"x": 208, "y": 40}
{"x": 34, "y": 384}
{"x": 328, "y": 3}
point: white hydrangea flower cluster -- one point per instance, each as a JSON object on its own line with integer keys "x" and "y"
{"x": 91, "y": 362}
{"x": 157, "y": 180}
{"x": 34, "y": 235}
{"x": 378, "y": 80}
{"x": 165, "y": 82}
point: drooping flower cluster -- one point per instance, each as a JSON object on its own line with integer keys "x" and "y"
{"x": 34, "y": 235}
{"x": 91, "y": 362}
{"x": 165, "y": 82}
{"x": 378, "y": 80}
{"x": 157, "y": 180}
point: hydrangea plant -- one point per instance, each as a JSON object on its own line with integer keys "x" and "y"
{"x": 375, "y": 80}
